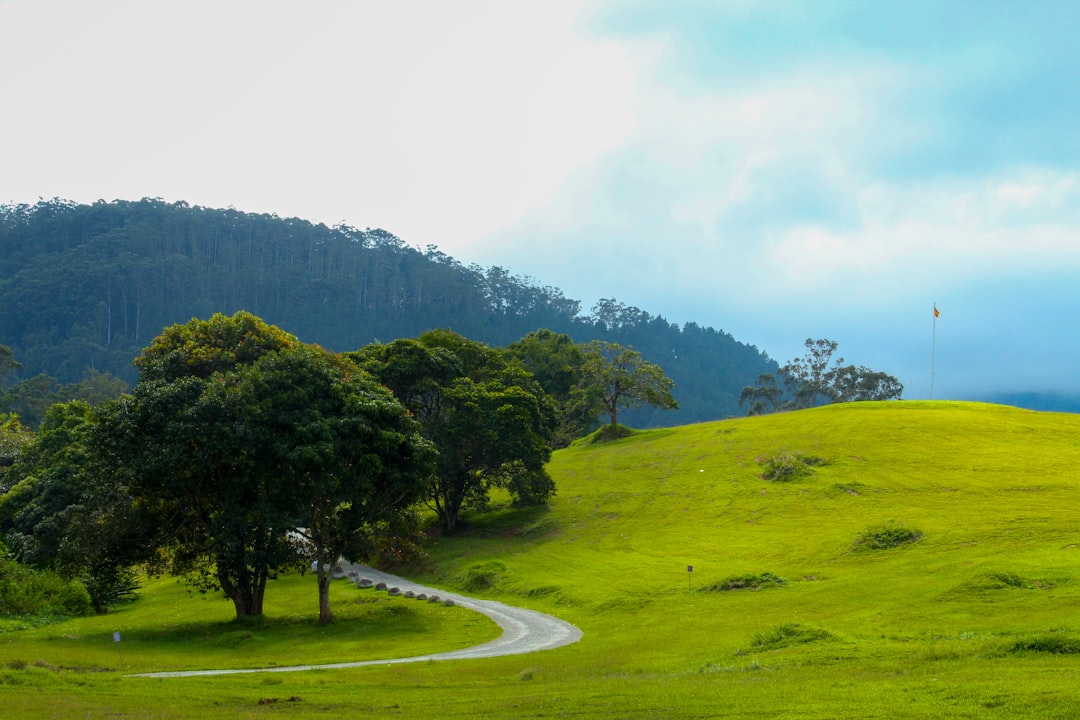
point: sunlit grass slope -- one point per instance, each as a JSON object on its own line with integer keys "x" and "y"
{"x": 994, "y": 492}
{"x": 790, "y": 610}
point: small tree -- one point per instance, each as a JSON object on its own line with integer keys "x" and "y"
{"x": 810, "y": 379}
{"x": 762, "y": 397}
{"x": 618, "y": 377}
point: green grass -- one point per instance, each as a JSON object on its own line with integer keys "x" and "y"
{"x": 976, "y": 618}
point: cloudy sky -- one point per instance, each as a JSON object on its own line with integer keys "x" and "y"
{"x": 777, "y": 170}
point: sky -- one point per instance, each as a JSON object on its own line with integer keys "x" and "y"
{"x": 776, "y": 170}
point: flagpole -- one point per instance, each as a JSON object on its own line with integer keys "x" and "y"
{"x": 933, "y": 351}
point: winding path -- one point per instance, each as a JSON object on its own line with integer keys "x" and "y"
{"x": 524, "y": 631}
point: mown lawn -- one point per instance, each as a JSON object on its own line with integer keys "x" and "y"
{"x": 787, "y": 613}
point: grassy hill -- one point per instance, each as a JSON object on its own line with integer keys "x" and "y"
{"x": 913, "y": 560}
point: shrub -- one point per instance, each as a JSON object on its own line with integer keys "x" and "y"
{"x": 24, "y": 591}
{"x": 888, "y": 536}
{"x": 788, "y": 466}
{"x": 747, "y": 582}
{"x": 1053, "y": 643}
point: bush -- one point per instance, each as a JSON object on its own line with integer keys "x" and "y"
{"x": 1051, "y": 643}
{"x": 888, "y": 536}
{"x": 747, "y": 582}
{"x": 788, "y": 466}
{"x": 30, "y": 592}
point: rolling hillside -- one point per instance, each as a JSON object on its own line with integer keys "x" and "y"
{"x": 790, "y": 610}
{"x": 993, "y": 490}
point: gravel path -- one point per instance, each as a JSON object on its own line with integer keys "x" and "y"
{"x": 524, "y": 631}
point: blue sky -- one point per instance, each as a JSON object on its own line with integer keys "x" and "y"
{"x": 778, "y": 170}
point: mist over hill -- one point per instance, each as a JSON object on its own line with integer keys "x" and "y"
{"x": 88, "y": 286}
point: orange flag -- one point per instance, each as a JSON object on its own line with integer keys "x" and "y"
{"x": 937, "y": 313}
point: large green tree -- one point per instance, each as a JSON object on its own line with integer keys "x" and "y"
{"x": 46, "y": 482}
{"x": 556, "y": 361}
{"x": 57, "y": 515}
{"x": 618, "y": 377}
{"x": 349, "y": 455}
{"x": 490, "y": 421}
{"x": 237, "y": 436}
{"x": 14, "y": 437}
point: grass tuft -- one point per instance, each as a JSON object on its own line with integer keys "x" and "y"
{"x": 787, "y": 635}
{"x": 746, "y": 582}
{"x": 483, "y": 576}
{"x": 885, "y": 537}
{"x": 1053, "y": 643}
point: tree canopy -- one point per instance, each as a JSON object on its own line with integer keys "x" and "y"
{"x": 618, "y": 377}
{"x": 237, "y": 436}
{"x": 490, "y": 420}
{"x": 810, "y": 379}
{"x": 88, "y": 286}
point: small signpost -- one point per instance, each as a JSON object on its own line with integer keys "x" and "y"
{"x": 689, "y": 575}
{"x": 116, "y": 639}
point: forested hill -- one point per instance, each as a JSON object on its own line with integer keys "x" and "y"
{"x": 88, "y": 286}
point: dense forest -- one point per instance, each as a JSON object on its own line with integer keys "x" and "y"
{"x": 84, "y": 288}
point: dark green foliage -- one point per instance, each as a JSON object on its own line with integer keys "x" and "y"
{"x": 747, "y": 582}
{"x": 1053, "y": 643}
{"x": 237, "y": 435}
{"x": 14, "y": 438}
{"x": 490, "y": 421}
{"x": 556, "y": 362}
{"x": 785, "y": 467}
{"x": 89, "y": 285}
{"x": 24, "y": 591}
{"x": 787, "y": 635}
{"x": 884, "y": 537}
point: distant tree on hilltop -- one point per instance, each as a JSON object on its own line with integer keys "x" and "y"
{"x": 810, "y": 379}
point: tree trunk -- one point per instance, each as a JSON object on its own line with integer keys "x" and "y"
{"x": 323, "y": 574}
{"x": 247, "y": 597}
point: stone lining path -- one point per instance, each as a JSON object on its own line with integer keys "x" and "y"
{"x": 524, "y": 631}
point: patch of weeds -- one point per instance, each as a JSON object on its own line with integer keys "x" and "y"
{"x": 1053, "y": 643}
{"x": 16, "y": 664}
{"x": 275, "y": 701}
{"x": 787, "y": 635}
{"x": 542, "y": 591}
{"x": 996, "y": 582}
{"x": 526, "y": 674}
{"x": 483, "y": 576}
{"x": 884, "y": 537}
{"x": 746, "y": 582}
{"x": 1005, "y": 580}
{"x": 786, "y": 467}
{"x": 851, "y": 488}
{"x": 753, "y": 666}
